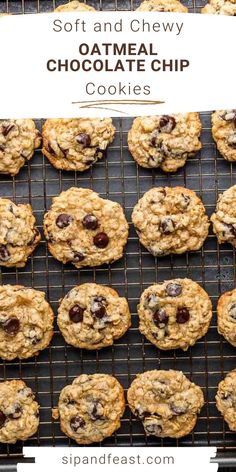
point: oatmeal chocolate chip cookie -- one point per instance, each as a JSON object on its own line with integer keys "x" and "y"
{"x": 91, "y": 408}
{"x": 74, "y": 6}
{"x": 19, "y": 412}
{"x": 174, "y": 314}
{"x": 224, "y": 131}
{"x": 85, "y": 229}
{"x": 166, "y": 402}
{"x": 26, "y": 322}
{"x": 220, "y": 7}
{"x": 92, "y": 316}
{"x": 164, "y": 141}
{"x": 170, "y": 221}
{"x": 226, "y": 316}
{"x": 18, "y": 233}
{"x": 18, "y": 141}
{"x": 162, "y": 5}
{"x": 226, "y": 399}
{"x": 224, "y": 218}
{"x": 76, "y": 144}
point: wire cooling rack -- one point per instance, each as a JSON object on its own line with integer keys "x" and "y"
{"x": 118, "y": 177}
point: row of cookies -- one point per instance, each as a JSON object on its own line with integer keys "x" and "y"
{"x": 216, "y": 7}
{"x": 90, "y": 409}
{"x": 172, "y": 315}
{"x": 87, "y": 230}
{"x": 164, "y": 141}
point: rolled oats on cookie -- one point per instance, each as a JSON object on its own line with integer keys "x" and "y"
{"x": 170, "y": 220}
{"x": 76, "y": 144}
{"x": 224, "y": 217}
{"x": 166, "y": 402}
{"x": 174, "y": 314}
{"x": 90, "y": 409}
{"x": 162, "y": 6}
{"x": 226, "y": 399}
{"x": 85, "y": 229}
{"x": 92, "y": 316}
{"x": 224, "y": 131}
{"x": 165, "y": 141}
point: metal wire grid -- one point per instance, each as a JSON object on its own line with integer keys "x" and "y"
{"x": 117, "y": 177}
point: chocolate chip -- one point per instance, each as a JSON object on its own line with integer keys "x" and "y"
{"x": 160, "y": 318}
{"x": 153, "y": 429}
{"x": 185, "y": 200}
{"x": 76, "y": 313}
{"x": 232, "y": 139}
{"x": 99, "y": 153}
{"x": 2, "y": 419}
{"x": 101, "y": 240}
{"x": 97, "y": 308}
{"x": 182, "y": 315}
{"x": 63, "y": 220}
{"x": 179, "y": 409}
{"x": 76, "y": 423}
{"x": 229, "y": 115}
{"x": 173, "y": 289}
{"x": 232, "y": 311}
{"x": 11, "y": 326}
{"x": 152, "y": 302}
{"x": 90, "y": 222}
{"x": 25, "y": 392}
{"x": 2, "y": 148}
{"x": 63, "y": 151}
{"x": 97, "y": 411}
{"x": 78, "y": 257}
{"x": 17, "y": 413}
{"x": 4, "y": 253}
{"x": 7, "y": 128}
{"x": 167, "y": 226}
{"x": 50, "y": 149}
{"x": 83, "y": 139}
{"x": 167, "y": 123}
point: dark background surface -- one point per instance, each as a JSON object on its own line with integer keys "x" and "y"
{"x": 119, "y": 178}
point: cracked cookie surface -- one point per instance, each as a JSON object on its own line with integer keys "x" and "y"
{"x": 162, "y": 5}
{"x": 220, "y": 7}
{"x": 26, "y": 322}
{"x": 75, "y": 5}
{"x": 226, "y": 316}
{"x": 166, "y": 402}
{"x": 76, "y": 144}
{"x": 90, "y": 408}
{"x": 18, "y": 141}
{"x": 224, "y": 131}
{"x": 224, "y": 218}
{"x": 92, "y": 316}
{"x": 170, "y": 220}
{"x": 85, "y": 229}
{"x": 18, "y": 233}
{"x": 164, "y": 141}
{"x": 226, "y": 399}
{"x": 174, "y": 314}
{"x": 19, "y": 412}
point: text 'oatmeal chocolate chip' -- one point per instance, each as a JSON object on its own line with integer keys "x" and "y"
{"x": 101, "y": 240}
{"x": 90, "y": 222}
{"x": 63, "y": 220}
{"x": 76, "y": 313}
{"x": 160, "y": 318}
{"x": 83, "y": 139}
{"x": 11, "y": 326}
{"x": 4, "y": 253}
{"x": 182, "y": 315}
{"x": 76, "y": 423}
{"x": 167, "y": 123}
{"x": 173, "y": 289}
